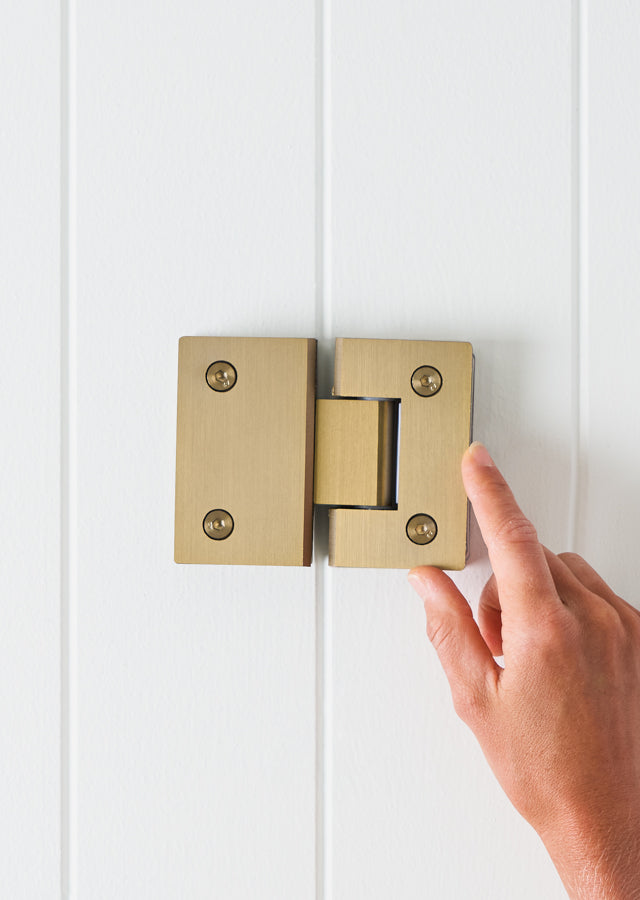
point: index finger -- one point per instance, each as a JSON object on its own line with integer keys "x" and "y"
{"x": 525, "y": 584}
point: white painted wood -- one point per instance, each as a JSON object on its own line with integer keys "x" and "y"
{"x": 453, "y": 198}
{"x": 451, "y": 213}
{"x": 30, "y": 483}
{"x": 611, "y": 396}
{"x": 196, "y": 685}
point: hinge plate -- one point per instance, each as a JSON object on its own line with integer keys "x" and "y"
{"x": 245, "y": 452}
{"x": 434, "y": 433}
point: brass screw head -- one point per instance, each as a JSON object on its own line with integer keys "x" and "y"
{"x": 426, "y": 381}
{"x": 218, "y": 524}
{"x": 421, "y": 529}
{"x": 221, "y": 376}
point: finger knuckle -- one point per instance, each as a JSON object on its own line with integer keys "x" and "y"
{"x": 608, "y": 621}
{"x": 557, "y": 631}
{"x": 440, "y": 632}
{"x": 634, "y": 617}
{"x": 571, "y": 557}
{"x": 468, "y": 702}
{"x": 514, "y": 528}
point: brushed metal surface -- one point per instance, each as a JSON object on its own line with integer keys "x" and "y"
{"x": 434, "y": 433}
{"x": 355, "y": 460}
{"x": 248, "y": 450}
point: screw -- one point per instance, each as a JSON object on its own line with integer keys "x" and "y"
{"x": 421, "y": 529}
{"x": 426, "y": 381}
{"x": 221, "y": 376}
{"x": 218, "y": 524}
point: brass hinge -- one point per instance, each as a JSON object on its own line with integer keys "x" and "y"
{"x": 387, "y": 454}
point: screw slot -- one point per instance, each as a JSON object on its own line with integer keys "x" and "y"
{"x": 426, "y": 381}
{"x": 221, "y": 376}
{"x": 218, "y": 524}
{"x": 421, "y": 528}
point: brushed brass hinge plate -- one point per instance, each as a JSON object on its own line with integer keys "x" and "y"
{"x": 245, "y": 449}
{"x": 434, "y": 433}
{"x": 387, "y": 452}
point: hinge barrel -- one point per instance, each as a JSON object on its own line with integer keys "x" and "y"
{"x": 356, "y": 458}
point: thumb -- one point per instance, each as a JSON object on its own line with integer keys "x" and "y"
{"x": 468, "y": 664}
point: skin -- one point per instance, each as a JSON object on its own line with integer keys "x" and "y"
{"x": 560, "y": 723}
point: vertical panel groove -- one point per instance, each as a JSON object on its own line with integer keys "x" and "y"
{"x": 324, "y": 708}
{"x": 67, "y": 446}
{"x": 579, "y": 287}
{"x": 583, "y": 308}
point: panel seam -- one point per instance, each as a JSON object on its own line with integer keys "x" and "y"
{"x": 323, "y": 315}
{"x": 68, "y": 470}
{"x": 579, "y": 271}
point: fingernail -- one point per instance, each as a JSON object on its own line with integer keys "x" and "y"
{"x": 480, "y": 454}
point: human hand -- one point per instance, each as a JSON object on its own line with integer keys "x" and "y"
{"x": 560, "y": 723}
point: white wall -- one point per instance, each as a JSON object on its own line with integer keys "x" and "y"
{"x": 448, "y": 169}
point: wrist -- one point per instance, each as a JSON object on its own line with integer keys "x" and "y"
{"x": 598, "y": 860}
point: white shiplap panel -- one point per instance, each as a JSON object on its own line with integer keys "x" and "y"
{"x": 608, "y": 518}
{"x": 196, "y": 693}
{"x": 30, "y": 400}
{"x": 451, "y": 213}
